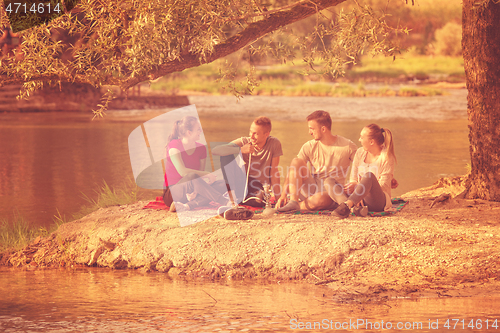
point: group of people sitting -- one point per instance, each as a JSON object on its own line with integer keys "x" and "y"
{"x": 315, "y": 179}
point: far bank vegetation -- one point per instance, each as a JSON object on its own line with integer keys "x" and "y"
{"x": 433, "y": 55}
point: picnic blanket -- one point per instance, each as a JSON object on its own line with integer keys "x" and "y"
{"x": 160, "y": 205}
{"x": 157, "y": 204}
{"x": 397, "y": 205}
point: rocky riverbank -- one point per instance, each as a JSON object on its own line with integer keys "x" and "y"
{"x": 445, "y": 249}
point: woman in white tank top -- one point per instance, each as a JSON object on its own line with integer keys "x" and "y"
{"x": 372, "y": 174}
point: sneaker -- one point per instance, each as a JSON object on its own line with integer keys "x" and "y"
{"x": 222, "y": 209}
{"x": 291, "y": 206}
{"x": 360, "y": 211}
{"x": 238, "y": 214}
{"x": 179, "y": 206}
{"x": 342, "y": 211}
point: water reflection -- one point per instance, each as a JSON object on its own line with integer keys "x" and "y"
{"x": 49, "y": 164}
{"x": 98, "y": 300}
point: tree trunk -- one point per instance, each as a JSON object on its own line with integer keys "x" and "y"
{"x": 481, "y": 50}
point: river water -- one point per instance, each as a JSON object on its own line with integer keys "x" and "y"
{"x": 99, "y": 300}
{"x": 49, "y": 161}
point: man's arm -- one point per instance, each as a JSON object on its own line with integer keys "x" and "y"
{"x": 227, "y": 149}
{"x": 233, "y": 147}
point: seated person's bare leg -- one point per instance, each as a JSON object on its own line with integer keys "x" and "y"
{"x": 298, "y": 172}
{"x": 318, "y": 201}
{"x": 335, "y": 191}
{"x": 296, "y": 175}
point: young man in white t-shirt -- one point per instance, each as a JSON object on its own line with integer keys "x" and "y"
{"x": 321, "y": 186}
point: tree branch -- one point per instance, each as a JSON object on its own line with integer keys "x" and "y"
{"x": 253, "y": 32}
{"x": 271, "y": 22}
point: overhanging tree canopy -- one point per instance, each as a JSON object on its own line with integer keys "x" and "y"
{"x": 124, "y": 43}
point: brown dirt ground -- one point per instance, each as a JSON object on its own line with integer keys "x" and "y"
{"x": 450, "y": 249}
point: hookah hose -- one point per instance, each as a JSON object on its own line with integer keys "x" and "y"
{"x": 268, "y": 210}
{"x": 246, "y": 182}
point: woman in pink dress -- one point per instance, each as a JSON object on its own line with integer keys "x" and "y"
{"x": 188, "y": 185}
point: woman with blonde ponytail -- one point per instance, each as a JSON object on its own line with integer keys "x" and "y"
{"x": 372, "y": 174}
{"x": 188, "y": 185}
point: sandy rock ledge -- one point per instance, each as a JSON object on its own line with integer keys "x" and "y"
{"x": 450, "y": 247}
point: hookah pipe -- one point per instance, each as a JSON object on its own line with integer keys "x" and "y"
{"x": 267, "y": 199}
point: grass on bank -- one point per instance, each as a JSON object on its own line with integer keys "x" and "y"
{"x": 106, "y": 197}
{"x": 412, "y": 67}
{"x": 19, "y": 232}
{"x": 299, "y": 80}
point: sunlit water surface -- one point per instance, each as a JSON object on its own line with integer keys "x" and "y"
{"x": 99, "y": 300}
